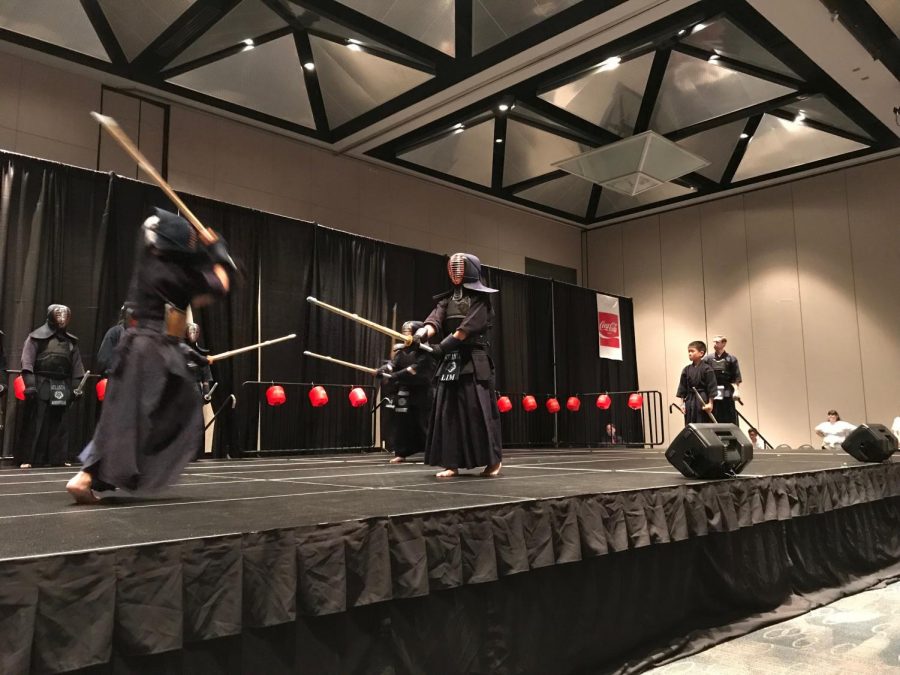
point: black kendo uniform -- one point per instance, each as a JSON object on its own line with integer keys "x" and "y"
{"x": 727, "y": 372}
{"x": 151, "y": 424}
{"x": 109, "y": 343}
{"x": 51, "y": 368}
{"x": 465, "y": 422}
{"x": 411, "y": 373}
{"x": 703, "y": 378}
{"x": 198, "y": 366}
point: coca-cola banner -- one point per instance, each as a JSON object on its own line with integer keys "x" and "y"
{"x": 609, "y": 327}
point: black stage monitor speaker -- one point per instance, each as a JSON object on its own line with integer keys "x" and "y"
{"x": 710, "y": 451}
{"x": 870, "y": 443}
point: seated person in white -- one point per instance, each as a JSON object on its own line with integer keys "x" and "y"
{"x": 834, "y": 431}
{"x": 896, "y": 427}
{"x": 758, "y": 443}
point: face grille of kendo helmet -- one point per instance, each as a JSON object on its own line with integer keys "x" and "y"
{"x": 456, "y": 268}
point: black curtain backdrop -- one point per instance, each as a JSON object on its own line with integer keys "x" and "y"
{"x": 522, "y": 349}
{"x": 70, "y": 235}
{"x": 52, "y": 241}
{"x": 580, "y": 371}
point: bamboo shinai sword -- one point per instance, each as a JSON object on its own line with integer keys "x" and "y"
{"x": 259, "y": 345}
{"x": 405, "y": 339}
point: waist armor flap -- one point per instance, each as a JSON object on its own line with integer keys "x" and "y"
{"x": 55, "y": 360}
{"x": 176, "y": 321}
{"x": 720, "y": 366}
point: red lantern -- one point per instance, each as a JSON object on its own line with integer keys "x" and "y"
{"x": 19, "y": 388}
{"x": 358, "y": 397}
{"x": 504, "y": 405}
{"x": 552, "y": 406}
{"x": 635, "y": 401}
{"x": 529, "y": 403}
{"x": 318, "y": 396}
{"x": 275, "y": 395}
{"x": 604, "y": 401}
{"x": 573, "y": 403}
{"x": 101, "y": 389}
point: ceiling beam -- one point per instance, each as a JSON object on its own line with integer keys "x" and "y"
{"x": 740, "y": 149}
{"x": 196, "y": 20}
{"x": 728, "y": 118}
{"x": 499, "y": 152}
{"x": 651, "y": 90}
{"x": 311, "y": 78}
{"x": 375, "y": 30}
{"x": 104, "y": 32}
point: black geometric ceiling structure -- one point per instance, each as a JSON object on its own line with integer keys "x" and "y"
{"x": 716, "y": 78}
{"x": 724, "y": 85}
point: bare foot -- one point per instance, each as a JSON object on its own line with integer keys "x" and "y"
{"x": 80, "y": 488}
{"x": 492, "y": 470}
{"x": 24, "y": 466}
{"x": 447, "y": 473}
{"x": 397, "y": 460}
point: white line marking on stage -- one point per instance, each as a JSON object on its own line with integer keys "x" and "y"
{"x": 510, "y": 499}
{"x": 57, "y": 492}
{"x": 101, "y": 509}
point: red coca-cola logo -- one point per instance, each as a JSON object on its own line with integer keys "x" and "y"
{"x": 609, "y": 329}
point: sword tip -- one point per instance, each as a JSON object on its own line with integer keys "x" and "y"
{"x": 310, "y": 298}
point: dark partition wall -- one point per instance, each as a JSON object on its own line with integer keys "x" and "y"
{"x": 69, "y": 235}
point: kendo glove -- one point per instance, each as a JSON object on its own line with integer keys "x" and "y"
{"x": 448, "y": 344}
{"x": 218, "y": 253}
{"x": 384, "y": 371}
{"x": 30, "y": 386}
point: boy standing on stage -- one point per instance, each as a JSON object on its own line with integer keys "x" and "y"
{"x": 697, "y": 375}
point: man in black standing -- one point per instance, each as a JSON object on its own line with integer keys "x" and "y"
{"x": 728, "y": 379}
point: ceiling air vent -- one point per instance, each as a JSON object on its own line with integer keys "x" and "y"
{"x": 635, "y": 164}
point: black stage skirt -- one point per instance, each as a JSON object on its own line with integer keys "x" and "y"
{"x": 465, "y": 426}
{"x": 152, "y": 419}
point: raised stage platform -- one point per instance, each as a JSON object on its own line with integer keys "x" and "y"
{"x": 571, "y": 561}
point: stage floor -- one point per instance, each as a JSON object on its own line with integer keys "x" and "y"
{"x": 215, "y": 498}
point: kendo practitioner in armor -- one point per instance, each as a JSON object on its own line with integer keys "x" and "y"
{"x": 408, "y": 377}
{"x": 728, "y": 377}
{"x": 198, "y": 366}
{"x": 151, "y": 424}
{"x": 465, "y": 422}
{"x": 697, "y": 375}
{"x": 51, "y": 369}
{"x": 109, "y": 343}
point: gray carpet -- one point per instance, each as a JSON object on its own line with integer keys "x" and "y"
{"x": 858, "y": 634}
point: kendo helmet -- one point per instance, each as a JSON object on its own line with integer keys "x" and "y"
{"x": 170, "y": 233}
{"x": 465, "y": 269}
{"x": 58, "y": 316}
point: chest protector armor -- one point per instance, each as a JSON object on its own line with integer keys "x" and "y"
{"x": 55, "y": 359}
{"x": 721, "y": 369}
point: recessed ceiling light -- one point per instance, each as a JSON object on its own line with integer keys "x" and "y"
{"x": 745, "y": 135}
{"x": 354, "y": 47}
{"x": 713, "y": 58}
{"x": 458, "y": 131}
{"x": 800, "y": 117}
{"x": 682, "y": 31}
{"x": 499, "y": 140}
{"x": 248, "y": 44}
{"x": 698, "y": 28}
{"x": 503, "y": 107}
{"x": 458, "y": 125}
{"x": 309, "y": 65}
{"x": 354, "y": 41}
{"x": 609, "y": 64}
